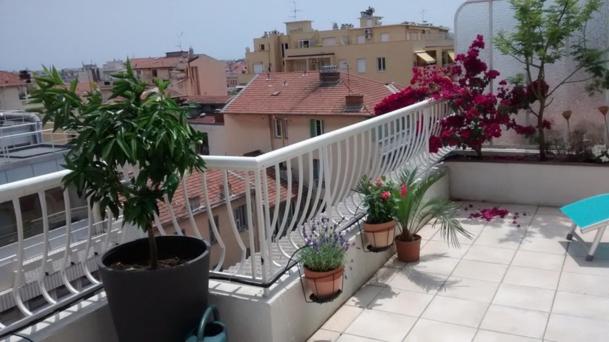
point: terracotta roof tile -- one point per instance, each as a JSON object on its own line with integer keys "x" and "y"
{"x": 9, "y": 79}
{"x": 215, "y": 186}
{"x": 155, "y": 62}
{"x": 302, "y": 93}
{"x": 206, "y": 120}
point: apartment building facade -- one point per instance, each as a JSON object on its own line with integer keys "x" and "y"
{"x": 277, "y": 109}
{"x": 12, "y": 91}
{"x": 190, "y": 74}
{"x": 385, "y": 53}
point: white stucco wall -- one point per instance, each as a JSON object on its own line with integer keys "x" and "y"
{"x": 249, "y": 132}
{"x": 526, "y": 183}
{"x": 9, "y": 98}
{"x": 217, "y": 138}
{"x": 491, "y": 17}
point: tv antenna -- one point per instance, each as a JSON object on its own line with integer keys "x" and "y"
{"x": 179, "y": 46}
{"x": 423, "y": 16}
{"x": 295, "y": 10}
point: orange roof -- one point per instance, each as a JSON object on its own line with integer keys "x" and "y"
{"x": 302, "y": 93}
{"x": 82, "y": 88}
{"x": 9, "y": 79}
{"x": 155, "y": 62}
{"x": 215, "y": 187}
{"x": 206, "y": 120}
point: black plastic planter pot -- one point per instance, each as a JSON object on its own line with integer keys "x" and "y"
{"x": 157, "y": 305}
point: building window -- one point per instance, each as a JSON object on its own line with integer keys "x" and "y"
{"x": 380, "y": 64}
{"x": 343, "y": 65}
{"x": 258, "y": 68}
{"x": 361, "y": 39}
{"x": 279, "y": 128}
{"x": 317, "y": 127}
{"x": 194, "y": 202}
{"x": 316, "y": 169}
{"x": 154, "y": 73}
{"x": 330, "y": 41}
{"x": 384, "y": 37}
{"x": 212, "y": 236}
{"x": 303, "y": 43}
{"x": 261, "y": 47}
{"x": 361, "y": 65}
{"x": 240, "y": 214}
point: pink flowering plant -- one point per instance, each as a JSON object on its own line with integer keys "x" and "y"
{"x": 379, "y": 199}
{"x": 414, "y": 211}
{"x": 479, "y": 114}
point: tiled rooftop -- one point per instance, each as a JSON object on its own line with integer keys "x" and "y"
{"x": 9, "y": 79}
{"x": 302, "y": 93}
{"x": 509, "y": 283}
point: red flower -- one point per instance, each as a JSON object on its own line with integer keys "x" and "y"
{"x": 435, "y": 144}
{"x": 403, "y": 191}
{"x": 385, "y": 195}
{"x": 492, "y": 74}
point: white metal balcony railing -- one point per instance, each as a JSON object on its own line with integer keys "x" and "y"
{"x": 282, "y": 190}
{"x": 25, "y": 140}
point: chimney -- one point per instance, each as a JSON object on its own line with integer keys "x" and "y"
{"x": 354, "y": 102}
{"x": 328, "y": 75}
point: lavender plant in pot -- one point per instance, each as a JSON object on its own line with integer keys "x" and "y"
{"x": 380, "y": 202}
{"x": 414, "y": 211}
{"x": 157, "y": 286}
{"x": 323, "y": 258}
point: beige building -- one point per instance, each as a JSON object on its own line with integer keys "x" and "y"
{"x": 281, "y": 108}
{"x": 12, "y": 91}
{"x": 190, "y": 74}
{"x": 385, "y": 53}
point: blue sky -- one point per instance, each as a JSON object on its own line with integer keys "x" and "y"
{"x": 66, "y": 33}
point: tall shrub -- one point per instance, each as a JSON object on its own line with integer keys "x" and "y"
{"x": 138, "y": 128}
{"x": 545, "y": 33}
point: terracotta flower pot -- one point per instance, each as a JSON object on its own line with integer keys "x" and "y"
{"x": 324, "y": 284}
{"x": 408, "y": 251}
{"x": 379, "y": 235}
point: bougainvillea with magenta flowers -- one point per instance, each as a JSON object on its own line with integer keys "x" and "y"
{"x": 480, "y": 115}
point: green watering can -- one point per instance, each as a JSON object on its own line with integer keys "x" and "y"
{"x": 210, "y": 329}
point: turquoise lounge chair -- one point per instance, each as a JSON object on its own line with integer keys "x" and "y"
{"x": 589, "y": 214}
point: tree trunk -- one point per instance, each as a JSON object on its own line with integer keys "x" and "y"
{"x": 540, "y": 131}
{"x": 153, "y": 250}
{"x": 478, "y": 152}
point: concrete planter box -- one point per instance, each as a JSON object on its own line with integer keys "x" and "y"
{"x": 551, "y": 184}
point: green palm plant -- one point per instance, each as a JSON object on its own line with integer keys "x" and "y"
{"x": 414, "y": 211}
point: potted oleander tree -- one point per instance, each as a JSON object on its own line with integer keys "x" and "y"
{"x": 156, "y": 286}
{"x": 323, "y": 258}
{"x": 380, "y": 202}
{"x": 414, "y": 211}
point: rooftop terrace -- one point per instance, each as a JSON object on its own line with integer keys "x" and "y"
{"x": 508, "y": 283}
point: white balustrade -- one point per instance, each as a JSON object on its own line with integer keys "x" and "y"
{"x": 252, "y": 209}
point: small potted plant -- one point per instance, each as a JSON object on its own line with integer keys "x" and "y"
{"x": 156, "y": 286}
{"x": 379, "y": 201}
{"x": 323, "y": 259}
{"x": 414, "y": 211}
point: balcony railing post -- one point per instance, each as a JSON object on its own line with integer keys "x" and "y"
{"x": 325, "y": 160}
{"x": 260, "y": 219}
